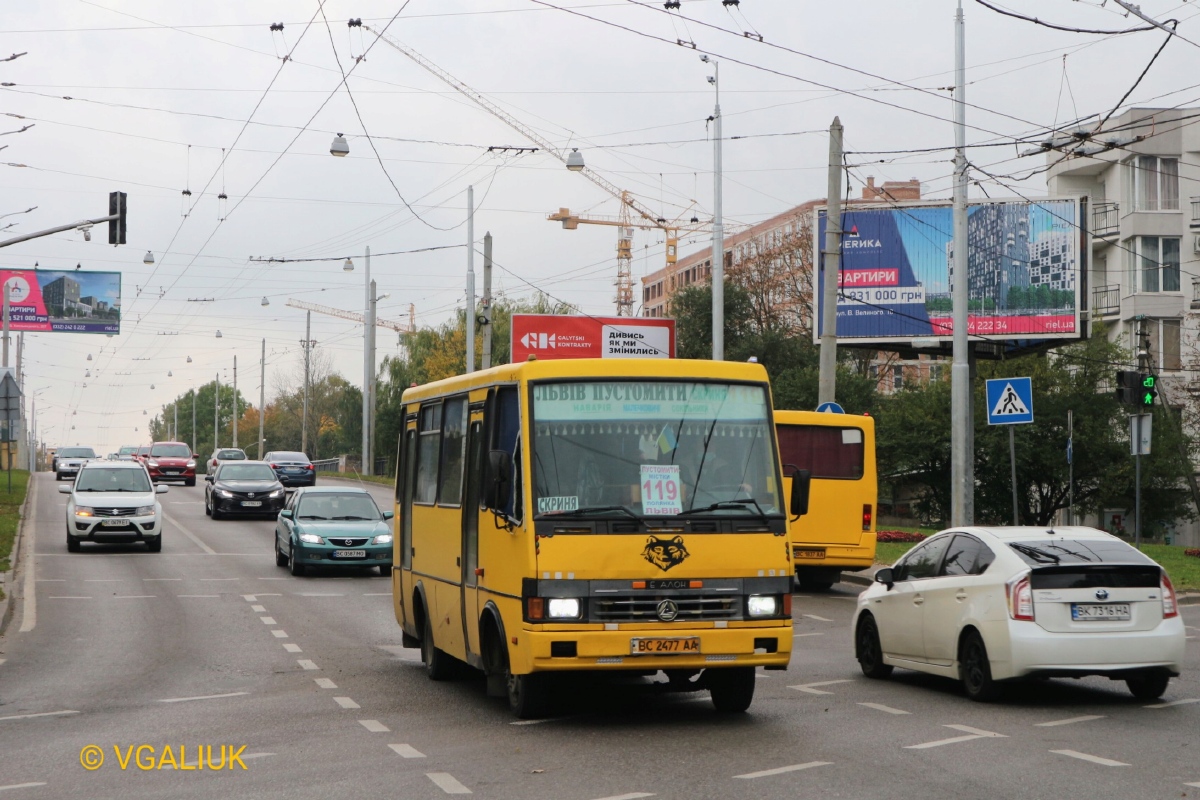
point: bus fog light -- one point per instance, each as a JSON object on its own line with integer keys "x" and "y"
{"x": 563, "y": 607}
{"x": 763, "y": 605}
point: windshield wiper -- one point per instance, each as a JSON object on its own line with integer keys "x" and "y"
{"x": 313, "y": 516}
{"x": 1035, "y": 553}
{"x": 592, "y": 510}
{"x": 741, "y": 503}
{"x": 1080, "y": 556}
{"x": 353, "y": 517}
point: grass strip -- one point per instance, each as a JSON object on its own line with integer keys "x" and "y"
{"x": 10, "y": 513}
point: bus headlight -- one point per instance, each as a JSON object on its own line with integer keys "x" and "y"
{"x": 563, "y": 607}
{"x": 761, "y": 605}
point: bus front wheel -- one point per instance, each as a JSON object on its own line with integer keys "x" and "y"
{"x": 528, "y": 695}
{"x": 732, "y": 688}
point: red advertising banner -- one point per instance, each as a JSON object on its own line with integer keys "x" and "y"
{"x": 562, "y": 336}
{"x": 63, "y": 301}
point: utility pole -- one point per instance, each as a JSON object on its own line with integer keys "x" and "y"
{"x": 216, "y": 412}
{"x": 235, "y": 402}
{"x": 262, "y": 397}
{"x": 1144, "y": 367}
{"x": 304, "y": 412}
{"x": 1070, "y": 467}
{"x": 194, "y": 420}
{"x": 718, "y": 232}
{"x": 831, "y": 266}
{"x": 470, "y": 279}
{"x": 486, "y": 316}
{"x": 962, "y": 466}
{"x": 368, "y": 364}
{"x": 175, "y": 409}
{"x": 369, "y": 423}
{"x": 6, "y": 316}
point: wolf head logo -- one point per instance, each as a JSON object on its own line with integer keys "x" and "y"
{"x": 665, "y": 553}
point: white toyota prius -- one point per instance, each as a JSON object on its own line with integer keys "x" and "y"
{"x": 985, "y": 605}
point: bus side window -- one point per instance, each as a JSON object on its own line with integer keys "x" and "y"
{"x": 504, "y": 433}
{"x": 429, "y": 447}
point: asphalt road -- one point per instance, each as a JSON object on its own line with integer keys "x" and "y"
{"x": 208, "y": 643}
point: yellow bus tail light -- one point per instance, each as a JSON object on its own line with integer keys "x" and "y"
{"x": 866, "y": 516}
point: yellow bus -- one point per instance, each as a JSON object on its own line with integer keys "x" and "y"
{"x": 838, "y": 532}
{"x": 595, "y": 515}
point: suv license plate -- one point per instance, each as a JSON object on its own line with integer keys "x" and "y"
{"x": 252, "y": 503}
{"x": 1084, "y": 612}
{"x": 114, "y": 523}
{"x": 349, "y": 553}
{"x": 653, "y": 646}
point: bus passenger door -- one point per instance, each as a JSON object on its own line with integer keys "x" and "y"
{"x": 470, "y": 536}
{"x": 403, "y": 585}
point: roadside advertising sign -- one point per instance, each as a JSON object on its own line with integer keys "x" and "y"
{"x": 563, "y": 336}
{"x": 897, "y": 267}
{"x": 63, "y": 301}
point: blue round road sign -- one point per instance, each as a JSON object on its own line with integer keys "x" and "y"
{"x": 831, "y": 408}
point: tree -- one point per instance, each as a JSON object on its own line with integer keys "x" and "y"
{"x": 201, "y": 437}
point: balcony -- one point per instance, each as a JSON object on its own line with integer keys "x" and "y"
{"x": 1196, "y": 212}
{"x": 1195, "y": 293}
{"x": 1106, "y": 221}
{"x": 1106, "y": 300}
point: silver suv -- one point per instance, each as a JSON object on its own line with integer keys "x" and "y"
{"x": 113, "y": 501}
{"x": 68, "y": 460}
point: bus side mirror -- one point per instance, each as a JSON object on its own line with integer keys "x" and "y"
{"x": 801, "y": 479}
{"x": 499, "y": 475}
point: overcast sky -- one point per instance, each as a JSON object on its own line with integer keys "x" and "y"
{"x": 159, "y": 93}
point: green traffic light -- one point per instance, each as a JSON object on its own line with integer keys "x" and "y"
{"x": 1148, "y": 381}
{"x": 1148, "y": 399}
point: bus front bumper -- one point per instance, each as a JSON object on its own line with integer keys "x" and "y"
{"x": 552, "y": 650}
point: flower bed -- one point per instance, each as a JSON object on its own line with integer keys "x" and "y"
{"x": 898, "y": 536}
{"x": 1194, "y": 552}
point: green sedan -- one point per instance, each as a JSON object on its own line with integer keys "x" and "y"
{"x": 328, "y": 525}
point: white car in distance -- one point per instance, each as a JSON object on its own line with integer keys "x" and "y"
{"x": 113, "y": 502}
{"x": 985, "y": 605}
{"x": 222, "y": 455}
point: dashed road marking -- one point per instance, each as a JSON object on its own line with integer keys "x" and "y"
{"x": 258, "y": 609}
{"x": 1185, "y": 702}
{"x": 374, "y": 725}
{"x": 972, "y": 733}
{"x": 325, "y": 683}
{"x": 346, "y": 702}
{"x": 68, "y": 597}
{"x": 535, "y": 721}
{"x": 279, "y": 634}
{"x": 1104, "y": 762}
{"x": 202, "y": 697}
{"x": 447, "y": 783}
{"x": 21, "y": 786}
{"x": 292, "y": 648}
{"x": 1068, "y": 721}
{"x": 818, "y": 619}
{"x": 406, "y": 751}
{"x": 42, "y": 714}
{"x": 268, "y": 621}
{"x": 249, "y": 598}
{"x": 781, "y": 770}
{"x": 885, "y": 709}
{"x": 811, "y": 687}
{"x": 801, "y": 635}
{"x": 630, "y": 796}
{"x": 306, "y": 664}
{"x": 195, "y": 539}
{"x": 1196, "y": 784}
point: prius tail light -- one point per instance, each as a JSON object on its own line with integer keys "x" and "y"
{"x": 1169, "y": 602}
{"x": 1020, "y": 598}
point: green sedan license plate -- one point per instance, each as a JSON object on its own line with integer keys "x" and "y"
{"x": 349, "y": 553}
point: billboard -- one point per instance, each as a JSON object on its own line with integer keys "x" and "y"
{"x": 1025, "y": 271}
{"x": 562, "y": 336}
{"x": 68, "y": 301}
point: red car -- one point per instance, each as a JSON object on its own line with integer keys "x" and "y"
{"x": 171, "y": 461}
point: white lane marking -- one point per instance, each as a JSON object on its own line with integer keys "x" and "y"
{"x": 249, "y": 598}
{"x": 1068, "y": 721}
{"x": 268, "y": 621}
{"x": 447, "y": 783}
{"x": 2, "y": 660}
{"x": 61, "y": 597}
{"x": 346, "y": 702}
{"x": 279, "y": 634}
{"x": 1104, "y": 762}
{"x": 29, "y": 601}
{"x": 197, "y": 595}
{"x": 630, "y": 796}
{"x": 811, "y": 687}
{"x": 162, "y": 579}
{"x": 64, "y": 580}
{"x": 325, "y": 683}
{"x": 972, "y": 734}
{"x": 1185, "y": 702}
{"x": 374, "y": 725}
{"x": 306, "y": 664}
{"x": 818, "y": 619}
{"x": 43, "y": 714}
{"x": 195, "y": 539}
{"x": 885, "y": 709}
{"x": 801, "y": 635}
{"x": 536, "y": 721}
{"x": 132, "y": 596}
{"x": 1196, "y": 784}
{"x": 761, "y": 676}
{"x": 202, "y": 697}
{"x": 780, "y": 770}
{"x": 258, "y": 609}
{"x": 318, "y": 594}
{"x": 21, "y": 786}
{"x": 269, "y": 594}
{"x": 292, "y": 648}
{"x": 406, "y": 751}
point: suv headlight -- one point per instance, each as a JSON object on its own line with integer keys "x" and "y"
{"x": 563, "y": 607}
{"x": 144, "y": 511}
{"x": 763, "y": 605}
{"x": 85, "y": 511}
{"x": 224, "y": 493}
{"x": 383, "y": 538}
{"x": 311, "y": 538}
{"x": 152, "y": 464}
{"x": 191, "y": 465}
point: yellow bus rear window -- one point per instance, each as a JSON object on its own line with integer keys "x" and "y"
{"x": 826, "y": 452}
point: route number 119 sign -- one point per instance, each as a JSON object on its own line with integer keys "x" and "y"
{"x": 661, "y": 494}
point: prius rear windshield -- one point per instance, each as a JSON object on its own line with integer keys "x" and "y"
{"x": 1050, "y": 552}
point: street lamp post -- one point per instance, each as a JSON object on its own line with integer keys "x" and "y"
{"x": 718, "y": 232}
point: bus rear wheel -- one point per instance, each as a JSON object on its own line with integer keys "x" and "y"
{"x": 438, "y": 665}
{"x": 732, "y": 688}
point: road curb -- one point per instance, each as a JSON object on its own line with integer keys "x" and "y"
{"x": 8, "y": 579}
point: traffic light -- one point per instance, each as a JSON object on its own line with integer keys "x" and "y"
{"x": 116, "y": 227}
{"x": 1148, "y": 391}
{"x": 1129, "y": 385}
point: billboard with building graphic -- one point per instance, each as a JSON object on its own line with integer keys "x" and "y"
{"x": 63, "y": 301}
{"x": 1024, "y": 271}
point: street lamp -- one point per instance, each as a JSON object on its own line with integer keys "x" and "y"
{"x": 339, "y": 147}
{"x": 265, "y": 301}
{"x": 148, "y": 258}
{"x": 348, "y": 266}
{"x": 218, "y": 334}
{"x": 575, "y": 160}
{"x": 718, "y": 232}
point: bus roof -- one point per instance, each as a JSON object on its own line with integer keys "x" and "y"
{"x": 824, "y": 419}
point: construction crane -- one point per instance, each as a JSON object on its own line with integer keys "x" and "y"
{"x": 399, "y": 327}
{"x": 574, "y": 161}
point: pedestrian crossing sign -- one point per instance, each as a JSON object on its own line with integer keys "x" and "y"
{"x": 1010, "y": 401}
